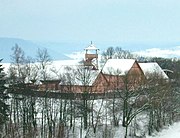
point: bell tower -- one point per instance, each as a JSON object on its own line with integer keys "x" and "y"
{"x": 91, "y": 57}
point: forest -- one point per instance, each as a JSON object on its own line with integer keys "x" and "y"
{"x": 128, "y": 113}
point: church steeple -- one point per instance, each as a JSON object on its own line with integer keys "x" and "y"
{"x": 91, "y": 56}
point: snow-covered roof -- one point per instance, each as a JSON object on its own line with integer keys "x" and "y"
{"x": 152, "y": 68}
{"x": 72, "y": 71}
{"x": 61, "y": 64}
{"x": 91, "y": 47}
{"x": 79, "y": 76}
{"x": 66, "y": 70}
{"x": 117, "y": 66}
{"x": 59, "y": 67}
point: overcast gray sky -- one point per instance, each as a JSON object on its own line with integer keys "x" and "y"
{"x": 86, "y": 20}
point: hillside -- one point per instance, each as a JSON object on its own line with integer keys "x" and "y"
{"x": 30, "y": 48}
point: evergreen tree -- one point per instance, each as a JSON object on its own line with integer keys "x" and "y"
{"x": 3, "y": 97}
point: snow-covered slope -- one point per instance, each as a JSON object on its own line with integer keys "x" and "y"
{"x": 169, "y": 132}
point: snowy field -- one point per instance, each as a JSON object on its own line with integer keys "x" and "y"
{"x": 169, "y": 132}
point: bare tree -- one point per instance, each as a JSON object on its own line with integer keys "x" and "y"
{"x": 109, "y": 53}
{"x": 126, "y": 89}
{"x": 157, "y": 92}
{"x": 18, "y": 63}
{"x": 120, "y": 53}
{"x": 116, "y": 53}
{"x": 3, "y": 101}
{"x": 22, "y": 109}
{"x": 44, "y": 59}
{"x": 83, "y": 76}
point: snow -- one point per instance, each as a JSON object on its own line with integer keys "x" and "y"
{"x": 65, "y": 62}
{"x": 158, "y": 52}
{"x": 120, "y": 66}
{"x": 152, "y": 67}
{"x": 76, "y": 55}
{"x": 56, "y": 70}
{"x": 91, "y": 47}
{"x": 6, "y": 67}
{"x": 171, "y": 132}
{"x": 61, "y": 65}
{"x": 72, "y": 67}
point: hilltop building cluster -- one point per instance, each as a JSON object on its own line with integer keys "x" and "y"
{"x": 87, "y": 77}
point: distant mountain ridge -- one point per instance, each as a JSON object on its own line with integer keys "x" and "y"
{"x": 57, "y": 50}
{"x": 29, "y": 47}
{"x": 74, "y": 49}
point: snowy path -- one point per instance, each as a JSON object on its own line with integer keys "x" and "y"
{"x": 171, "y": 132}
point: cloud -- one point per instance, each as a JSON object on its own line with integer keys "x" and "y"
{"x": 157, "y": 52}
{"x": 152, "y": 52}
